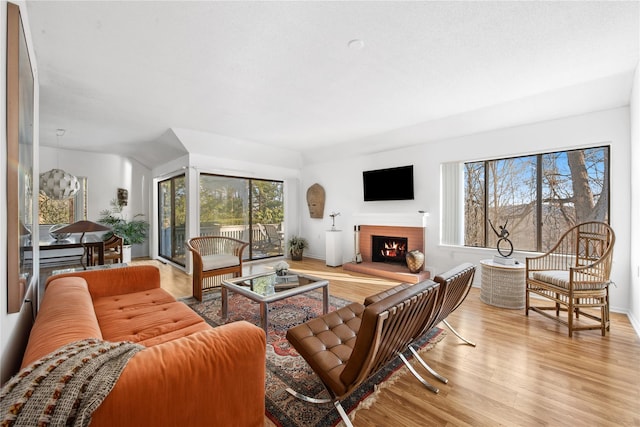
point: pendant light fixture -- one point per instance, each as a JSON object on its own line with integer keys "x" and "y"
{"x": 56, "y": 183}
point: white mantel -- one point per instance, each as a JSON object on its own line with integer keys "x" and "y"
{"x": 418, "y": 219}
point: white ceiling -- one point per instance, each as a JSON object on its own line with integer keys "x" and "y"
{"x": 118, "y": 75}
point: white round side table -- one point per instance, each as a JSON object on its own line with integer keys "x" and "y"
{"x": 502, "y": 285}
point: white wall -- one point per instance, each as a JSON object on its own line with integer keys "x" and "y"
{"x": 105, "y": 174}
{"x": 634, "y": 285}
{"x": 342, "y": 180}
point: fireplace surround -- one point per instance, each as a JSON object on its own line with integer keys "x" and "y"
{"x": 393, "y": 270}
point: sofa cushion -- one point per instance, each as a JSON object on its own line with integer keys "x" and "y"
{"x": 65, "y": 315}
{"x": 560, "y": 278}
{"x": 213, "y": 262}
{"x": 149, "y": 318}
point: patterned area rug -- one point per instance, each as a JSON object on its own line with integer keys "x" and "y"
{"x": 285, "y": 368}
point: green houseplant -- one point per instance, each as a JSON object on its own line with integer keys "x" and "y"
{"x": 132, "y": 231}
{"x": 297, "y": 246}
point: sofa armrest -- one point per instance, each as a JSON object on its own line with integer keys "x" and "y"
{"x": 211, "y": 378}
{"x": 116, "y": 281}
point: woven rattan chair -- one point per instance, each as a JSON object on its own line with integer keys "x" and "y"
{"x": 574, "y": 275}
{"x": 214, "y": 258}
{"x": 345, "y": 347}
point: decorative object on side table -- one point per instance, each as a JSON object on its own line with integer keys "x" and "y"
{"x": 503, "y": 237}
{"x": 333, "y": 216}
{"x": 264, "y": 285}
{"x": 415, "y": 261}
{"x": 55, "y": 234}
{"x": 297, "y": 246}
{"x": 281, "y": 268}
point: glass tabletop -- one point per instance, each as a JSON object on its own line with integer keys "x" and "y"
{"x": 267, "y": 284}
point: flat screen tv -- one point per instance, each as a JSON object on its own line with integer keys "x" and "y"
{"x": 388, "y": 184}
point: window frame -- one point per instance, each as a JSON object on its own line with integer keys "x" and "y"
{"x": 251, "y": 254}
{"x": 539, "y": 193}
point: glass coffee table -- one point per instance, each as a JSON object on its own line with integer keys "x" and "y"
{"x": 266, "y": 288}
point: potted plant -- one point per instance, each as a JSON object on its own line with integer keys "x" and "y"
{"x": 132, "y": 231}
{"x": 297, "y": 245}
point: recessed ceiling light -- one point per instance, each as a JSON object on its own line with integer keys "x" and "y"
{"x": 355, "y": 44}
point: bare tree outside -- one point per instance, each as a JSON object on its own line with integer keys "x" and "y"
{"x": 566, "y": 188}
{"x": 511, "y": 200}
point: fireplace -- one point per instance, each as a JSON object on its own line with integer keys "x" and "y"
{"x": 364, "y": 262}
{"x": 388, "y": 249}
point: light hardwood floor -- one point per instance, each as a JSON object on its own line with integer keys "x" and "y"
{"x": 524, "y": 371}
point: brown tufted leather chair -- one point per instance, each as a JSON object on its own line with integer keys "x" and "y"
{"x": 347, "y": 346}
{"x": 455, "y": 285}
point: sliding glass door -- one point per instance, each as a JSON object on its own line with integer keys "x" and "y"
{"x": 172, "y": 219}
{"x": 247, "y": 209}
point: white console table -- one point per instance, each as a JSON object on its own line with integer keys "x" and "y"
{"x": 334, "y": 248}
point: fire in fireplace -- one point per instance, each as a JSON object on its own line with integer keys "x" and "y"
{"x": 388, "y": 249}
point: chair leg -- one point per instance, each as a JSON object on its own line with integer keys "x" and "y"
{"x": 307, "y": 398}
{"x": 471, "y": 343}
{"x": 336, "y": 403}
{"x": 426, "y": 366}
{"x": 570, "y": 317}
{"x": 197, "y": 287}
{"x": 417, "y": 375}
{"x": 343, "y": 414}
{"x": 606, "y": 301}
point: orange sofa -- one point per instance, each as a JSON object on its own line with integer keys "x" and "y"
{"x": 189, "y": 374}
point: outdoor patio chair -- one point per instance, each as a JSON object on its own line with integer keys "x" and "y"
{"x": 574, "y": 276}
{"x": 214, "y": 258}
{"x": 270, "y": 241}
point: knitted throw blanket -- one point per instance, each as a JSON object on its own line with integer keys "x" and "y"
{"x": 65, "y": 387}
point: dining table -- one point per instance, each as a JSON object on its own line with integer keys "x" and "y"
{"x": 89, "y": 243}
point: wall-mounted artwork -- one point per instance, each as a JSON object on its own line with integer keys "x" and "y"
{"x": 20, "y": 135}
{"x": 315, "y": 201}
{"x": 123, "y": 196}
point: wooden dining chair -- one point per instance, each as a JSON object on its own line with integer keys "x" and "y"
{"x": 113, "y": 248}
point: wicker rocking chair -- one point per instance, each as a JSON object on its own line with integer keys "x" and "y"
{"x": 574, "y": 275}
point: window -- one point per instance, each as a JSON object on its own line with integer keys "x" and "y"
{"x": 247, "y": 209}
{"x": 172, "y": 217}
{"x": 68, "y": 211}
{"x": 537, "y": 198}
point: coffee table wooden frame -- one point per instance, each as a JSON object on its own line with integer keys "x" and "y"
{"x": 236, "y": 285}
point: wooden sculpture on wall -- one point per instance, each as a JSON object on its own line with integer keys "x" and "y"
{"x": 315, "y": 201}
